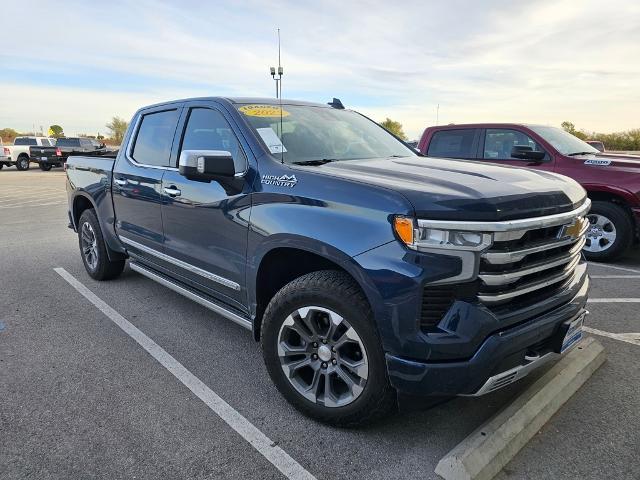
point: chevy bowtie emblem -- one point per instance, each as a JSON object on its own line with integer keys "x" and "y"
{"x": 573, "y": 230}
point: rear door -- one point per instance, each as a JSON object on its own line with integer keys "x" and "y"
{"x": 206, "y": 223}
{"x": 454, "y": 143}
{"x": 496, "y": 145}
{"x": 137, "y": 180}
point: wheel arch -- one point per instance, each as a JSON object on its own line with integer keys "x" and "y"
{"x": 269, "y": 275}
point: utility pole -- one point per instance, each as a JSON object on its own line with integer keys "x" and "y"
{"x": 278, "y": 77}
{"x": 437, "y": 113}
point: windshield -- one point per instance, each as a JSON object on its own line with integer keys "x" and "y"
{"x": 318, "y": 134}
{"x": 25, "y": 141}
{"x": 563, "y": 141}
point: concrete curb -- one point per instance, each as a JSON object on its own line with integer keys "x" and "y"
{"x": 488, "y": 449}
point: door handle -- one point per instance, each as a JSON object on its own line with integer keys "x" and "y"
{"x": 120, "y": 181}
{"x": 172, "y": 191}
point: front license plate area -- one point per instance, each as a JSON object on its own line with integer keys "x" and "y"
{"x": 573, "y": 333}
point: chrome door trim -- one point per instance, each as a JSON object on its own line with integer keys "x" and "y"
{"x": 179, "y": 263}
{"x": 235, "y": 318}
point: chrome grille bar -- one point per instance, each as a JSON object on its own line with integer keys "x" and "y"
{"x": 514, "y": 275}
{"x": 492, "y": 298}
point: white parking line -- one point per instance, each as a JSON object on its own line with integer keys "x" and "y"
{"x": 613, "y": 300}
{"x": 633, "y": 338}
{"x": 614, "y": 276}
{"x": 258, "y": 440}
{"x": 624, "y": 269}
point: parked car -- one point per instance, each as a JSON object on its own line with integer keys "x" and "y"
{"x": 363, "y": 270}
{"x": 612, "y": 181}
{"x": 597, "y": 144}
{"x": 18, "y": 154}
{"x": 76, "y": 145}
{"x": 47, "y": 157}
{"x": 4, "y": 155}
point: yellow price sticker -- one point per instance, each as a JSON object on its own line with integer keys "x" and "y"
{"x": 266, "y": 111}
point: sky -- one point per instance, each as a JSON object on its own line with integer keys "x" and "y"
{"x": 79, "y": 63}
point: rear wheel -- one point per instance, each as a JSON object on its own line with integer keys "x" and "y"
{"x": 610, "y": 233}
{"x": 322, "y": 350}
{"x": 22, "y": 163}
{"x": 45, "y": 166}
{"x": 94, "y": 250}
{"x": 1, "y": 165}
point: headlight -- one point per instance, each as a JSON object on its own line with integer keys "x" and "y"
{"x": 424, "y": 237}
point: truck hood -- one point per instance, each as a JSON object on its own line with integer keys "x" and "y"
{"x": 445, "y": 189}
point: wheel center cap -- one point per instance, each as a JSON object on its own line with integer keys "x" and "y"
{"x": 324, "y": 353}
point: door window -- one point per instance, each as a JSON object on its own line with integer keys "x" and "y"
{"x": 155, "y": 137}
{"x": 453, "y": 144}
{"x": 207, "y": 129}
{"x": 498, "y": 143}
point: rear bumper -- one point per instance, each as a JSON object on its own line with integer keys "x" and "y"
{"x": 501, "y": 353}
{"x": 49, "y": 160}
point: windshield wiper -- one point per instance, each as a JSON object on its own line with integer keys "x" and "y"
{"x": 579, "y": 153}
{"x": 321, "y": 161}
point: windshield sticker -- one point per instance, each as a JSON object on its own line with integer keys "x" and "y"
{"x": 597, "y": 161}
{"x": 265, "y": 111}
{"x": 272, "y": 140}
{"x": 280, "y": 180}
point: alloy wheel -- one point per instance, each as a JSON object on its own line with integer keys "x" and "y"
{"x": 89, "y": 245}
{"x": 322, "y": 356}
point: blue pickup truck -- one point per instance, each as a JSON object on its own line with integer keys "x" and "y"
{"x": 364, "y": 271}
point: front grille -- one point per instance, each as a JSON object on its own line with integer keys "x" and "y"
{"x": 523, "y": 264}
{"x": 523, "y": 267}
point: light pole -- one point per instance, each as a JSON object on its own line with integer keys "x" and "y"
{"x": 277, "y": 74}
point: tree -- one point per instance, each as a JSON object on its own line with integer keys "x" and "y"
{"x": 8, "y": 134}
{"x": 117, "y": 126}
{"x": 394, "y": 127}
{"x": 571, "y": 128}
{"x": 56, "y": 131}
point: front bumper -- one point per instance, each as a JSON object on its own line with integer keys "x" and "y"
{"x": 500, "y": 353}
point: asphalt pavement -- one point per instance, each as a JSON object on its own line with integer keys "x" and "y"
{"x": 80, "y": 398}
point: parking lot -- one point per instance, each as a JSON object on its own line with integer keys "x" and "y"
{"x": 80, "y": 398}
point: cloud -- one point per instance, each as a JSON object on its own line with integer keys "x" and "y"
{"x": 539, "y": 61}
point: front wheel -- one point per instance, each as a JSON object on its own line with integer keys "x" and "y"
{"x": 22, "y": 163}
{"x": 322, "y": 350}
{"x": 45, "y": 166}
{"x": 610, "y": 232}
{"x": 94, "y": 249}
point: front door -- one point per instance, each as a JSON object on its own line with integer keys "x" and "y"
{"x": 137, "y": 182}
{"x": 496, "y": 145}
{"x": 206, "y": 223}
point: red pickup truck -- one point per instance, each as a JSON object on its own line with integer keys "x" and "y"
{"x": 611, "y": 181}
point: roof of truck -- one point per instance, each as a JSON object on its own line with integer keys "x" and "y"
{"x": 243, "y": 100}
{"x": 489, "y": 124}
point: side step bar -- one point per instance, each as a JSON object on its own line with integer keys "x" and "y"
{"x": 229, "y": 315}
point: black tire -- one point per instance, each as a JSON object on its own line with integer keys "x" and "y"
{"x": 1, "y": 166}
{"x": 339, "y": 293}
{"x": 22, "y": 163}
{"x": 45, "y": 166}
{"x": 98, "y": 265}
{"x": 624, "y": 231}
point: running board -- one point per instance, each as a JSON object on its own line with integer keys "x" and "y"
{"x": 229, "y": 315}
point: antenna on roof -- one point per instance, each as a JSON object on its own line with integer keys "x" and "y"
{"x": 277, "y": 76}
{"x": 336, "y": 103}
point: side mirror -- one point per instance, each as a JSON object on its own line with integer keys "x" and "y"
{"x": 527, "y": 153}
{"x": 206, "y": 165}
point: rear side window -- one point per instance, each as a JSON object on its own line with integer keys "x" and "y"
{"x": 155, "y": 136}
{"x": 68, "y": 142}
{"x": 453, "y": 144}
{"x": 45, "y": 142}
{"x": 25, "y": 141}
